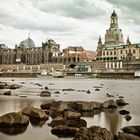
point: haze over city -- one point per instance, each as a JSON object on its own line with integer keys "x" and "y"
{"x": 68, "y": 22}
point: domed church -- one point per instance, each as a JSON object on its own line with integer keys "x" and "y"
{"x": 27, "y": 53}
{"x": 114, "y": 47}
{"x": 28, "y": 43}
{"x": 114, "y": 35}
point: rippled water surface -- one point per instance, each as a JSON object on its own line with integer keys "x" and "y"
{"x": 28, "y": 95}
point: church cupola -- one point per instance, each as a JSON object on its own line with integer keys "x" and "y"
{"x": 114, "y": 35}
{"x": 114, "y": 20}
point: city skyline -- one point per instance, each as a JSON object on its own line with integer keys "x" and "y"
{"x": 70, "y": 23}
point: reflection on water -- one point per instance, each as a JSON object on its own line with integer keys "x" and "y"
{"x": 90, "y": 113}
{"x": 112, "y": 120}
{"x": 37, "y": 123}
{"x": 13, "y": 130}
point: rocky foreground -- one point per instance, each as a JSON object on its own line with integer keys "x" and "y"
{"x": 66, "y": 117}
{"x": 66, "y": 120}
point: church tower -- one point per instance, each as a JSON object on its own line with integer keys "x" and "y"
{"x": 128, "y": 40}
{"x": 114, "y": 20}
{"x": 100, "y": 45}
{"x": 114, "y": 35}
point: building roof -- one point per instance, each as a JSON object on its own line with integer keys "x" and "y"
{"x": 113, "y": 47}
{"x": 114, "y": 13}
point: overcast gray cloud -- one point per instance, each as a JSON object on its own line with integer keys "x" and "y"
{"x": 129, "y": 8}
{"x": 68, "y": 22}
{"x": 71, "y": 8}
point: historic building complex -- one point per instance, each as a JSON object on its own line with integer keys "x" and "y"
{"x": 27, "y": 53}
{"x": 75, "y": 54}
{"x": 114, "y": 47}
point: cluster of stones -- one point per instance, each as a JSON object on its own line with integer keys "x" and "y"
{"x": 66, "y": 120}
{"x": 66, "y": 117}
{"x": 4, "y": 85}
{"x": 17, "y": 122}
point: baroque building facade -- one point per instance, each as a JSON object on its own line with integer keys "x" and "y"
{"x": 75, "y": 54}
{"x": 27, "y": 53}
{"x": 114, "y": 48}
{"x": 49, "y": 52}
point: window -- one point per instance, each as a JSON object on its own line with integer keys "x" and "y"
{"x": 107, "y": 53}
{"x": 121, "y": 52}
{"x": 110, "y": 53}
{"x": 126, "y": 51}
{"x": 103, "y": 53}
{"x": 129, "y": 51}
{"x": 114, "y": 52}
{"x": 134, "y": 51}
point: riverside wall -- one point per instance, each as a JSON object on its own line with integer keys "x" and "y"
{"x": 98, "y": 67}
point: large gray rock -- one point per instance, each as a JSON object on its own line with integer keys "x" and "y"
{"x": 13, "y": 130}
{"x": 135, "y": 130}
{"x": 14, "y": 86}
{"x": 121, "y": 102}
{"x": 72, "y": 115}
{"x": 59, "y": 120}
{"x": 57, "y": 106}
{"x": 45, "y": 93}
{"x": 35, "y": 113}
{"x": 63, "y": 106}
{"x": 124, "y": 112}
{"x": 13, "y": 120}
{"x": 84, "y": 106}
{"x": 127, "y": 117}
{"x": 47, "y": 104}
{"x": 7, "y": 93}
{"x": 109, "y": 104}
{"x": 77, "y": 123}
{"x": 64, "y": 131}
{"x": 93, "y": 133}
{"x": 3, "y": 85}
{"x": 125, "y": 136}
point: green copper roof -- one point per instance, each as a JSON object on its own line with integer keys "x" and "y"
{"x": 137, "y": 45}
{"x": 115, "y": 47}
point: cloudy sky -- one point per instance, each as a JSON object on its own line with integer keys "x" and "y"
{"x": 68, "y": 22}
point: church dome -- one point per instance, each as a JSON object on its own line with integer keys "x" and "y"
{"x": 114, "y": 36}
{"x": 30, "y": 43}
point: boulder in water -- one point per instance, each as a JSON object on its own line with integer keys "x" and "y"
{"x": 13, "y": 119}
{"x": 35, "y": 113}
{"x": 93, "y": 133}
{"x": 45, "y": 93}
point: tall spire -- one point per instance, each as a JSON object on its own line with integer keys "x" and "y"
{"x": 99, "y": 40}
{"x": 114, "y": 20}
{"x": 128, "y": 40}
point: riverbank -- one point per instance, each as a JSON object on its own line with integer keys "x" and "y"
{"x": 109, "y": 75}
{"x": 28, "y": 95}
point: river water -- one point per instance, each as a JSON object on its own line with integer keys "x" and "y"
{"x": 28, "y": 95}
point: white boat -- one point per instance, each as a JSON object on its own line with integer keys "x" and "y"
{"x": 44, "y": 73}
{"x": 57, "y": 74}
